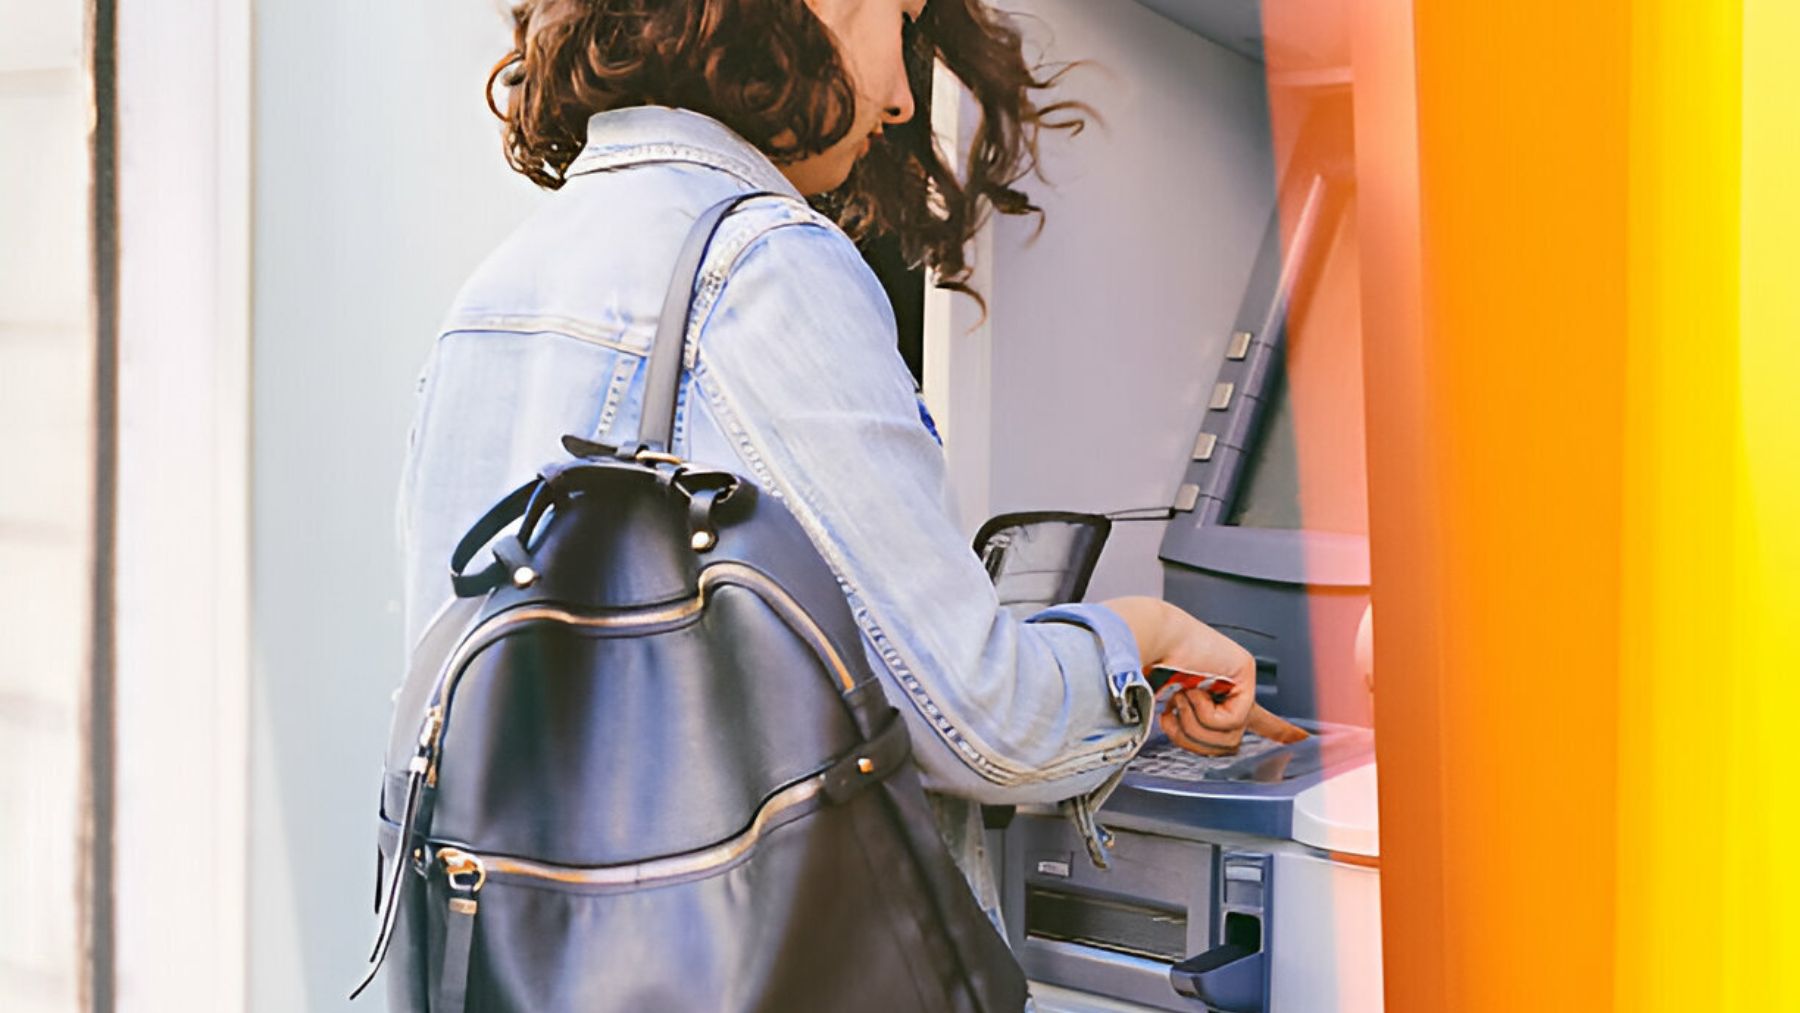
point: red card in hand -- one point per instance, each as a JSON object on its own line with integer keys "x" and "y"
{"x": 1215, "y": 685}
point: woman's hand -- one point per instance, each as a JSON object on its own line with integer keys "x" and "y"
{"x": 1194, "y": 719}
{"x": 1202, "y": 723}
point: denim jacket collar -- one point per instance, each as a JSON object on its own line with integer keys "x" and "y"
{"x": 638, "y": 134}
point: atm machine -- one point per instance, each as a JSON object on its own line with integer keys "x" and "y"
{"x": 1243, "y": 884}
{"x": 1248, "y": 883}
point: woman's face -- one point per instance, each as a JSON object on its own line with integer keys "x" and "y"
{"x": 868, "y": 38}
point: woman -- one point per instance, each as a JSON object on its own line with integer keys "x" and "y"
{"x": 641, "y": 113}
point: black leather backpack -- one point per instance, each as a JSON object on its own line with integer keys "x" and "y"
{"x": 641, "y": 764}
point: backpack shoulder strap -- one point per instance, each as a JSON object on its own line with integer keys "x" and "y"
{"x": 656, "y": 431}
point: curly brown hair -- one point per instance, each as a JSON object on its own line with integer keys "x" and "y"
{"x": 770, "y": 70}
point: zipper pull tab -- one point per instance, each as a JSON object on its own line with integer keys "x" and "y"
{"x": 421, "y": 773}
{"x": 434, "y": 720}
{"x": 423, "y": 762}
{"x": 465, "y": 875}
{"x": 390, "y": 908}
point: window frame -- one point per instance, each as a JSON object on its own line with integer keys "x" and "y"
{"x": 181, "y": 564}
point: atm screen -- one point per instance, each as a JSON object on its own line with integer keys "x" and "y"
{"x": 1311, "y": 418}
{"x": 1268, "y": 495}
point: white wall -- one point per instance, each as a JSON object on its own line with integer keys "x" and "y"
{"x": 1107, "y": 330}
{"x": 379, "y": 184}
{"x": 46, "y": 486}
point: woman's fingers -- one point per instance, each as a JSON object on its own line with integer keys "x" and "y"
{"x": 1197, "y": 722}
{"x": 1273, "y": 728}
{"x": 1229, "y": 714}
{"x": 1171, "y": 726}
{"x": 1202, "y": 723}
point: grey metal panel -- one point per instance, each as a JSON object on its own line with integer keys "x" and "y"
{"x": 1234, "y": 24}
{"x": 1056, "y": 999}
{"x": 1314, "y": 558}
{"x": 1175, "y": 872}
{"x": 1237, "y": 429}
{"x": 1227, "y": 460}
{"x": 1118, "y": 976}
{"x": 1261, "y": 366}
{"x": 1307, "y": 632}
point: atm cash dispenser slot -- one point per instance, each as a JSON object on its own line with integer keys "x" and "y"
{"x": 1115, "y": 931}
{"x": 1152, "y": 931}
{"x": 1172, "y": 924}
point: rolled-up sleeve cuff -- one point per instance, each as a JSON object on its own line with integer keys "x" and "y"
{"x": 1119, "y": 650}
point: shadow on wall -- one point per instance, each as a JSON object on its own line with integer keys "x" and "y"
{"x": 379, "y": 185}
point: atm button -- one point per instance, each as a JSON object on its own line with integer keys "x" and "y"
{"x": 1221, "y": 396}
{"x": 1203, "y": 447}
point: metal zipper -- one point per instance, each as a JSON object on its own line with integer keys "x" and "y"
{"x": 466, "y": 872}
{"x": 459, "y": 866}
{"x": 777, "y": 597}
{"x": 759, "y": 584}
{"x": 491, "y": 630}
{"x": 644, "y": 873}
{"x": 464, "y": 875}
{"x": 424, "y": 763}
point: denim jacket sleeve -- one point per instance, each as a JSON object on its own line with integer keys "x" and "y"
{"x": 797, "y": 367}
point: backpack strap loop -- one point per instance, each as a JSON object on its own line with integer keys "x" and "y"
{"x": 510, "y": 508}
{"x": 706, "y": 490}
{"x": 870, "y": 762}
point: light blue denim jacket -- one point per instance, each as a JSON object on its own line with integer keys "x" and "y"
{"x": 795, "y": 381}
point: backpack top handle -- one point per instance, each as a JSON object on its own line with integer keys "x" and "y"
{"x": 656, "y": 430}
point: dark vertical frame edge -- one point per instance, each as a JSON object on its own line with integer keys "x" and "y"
{"x": 99, "y": 980}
